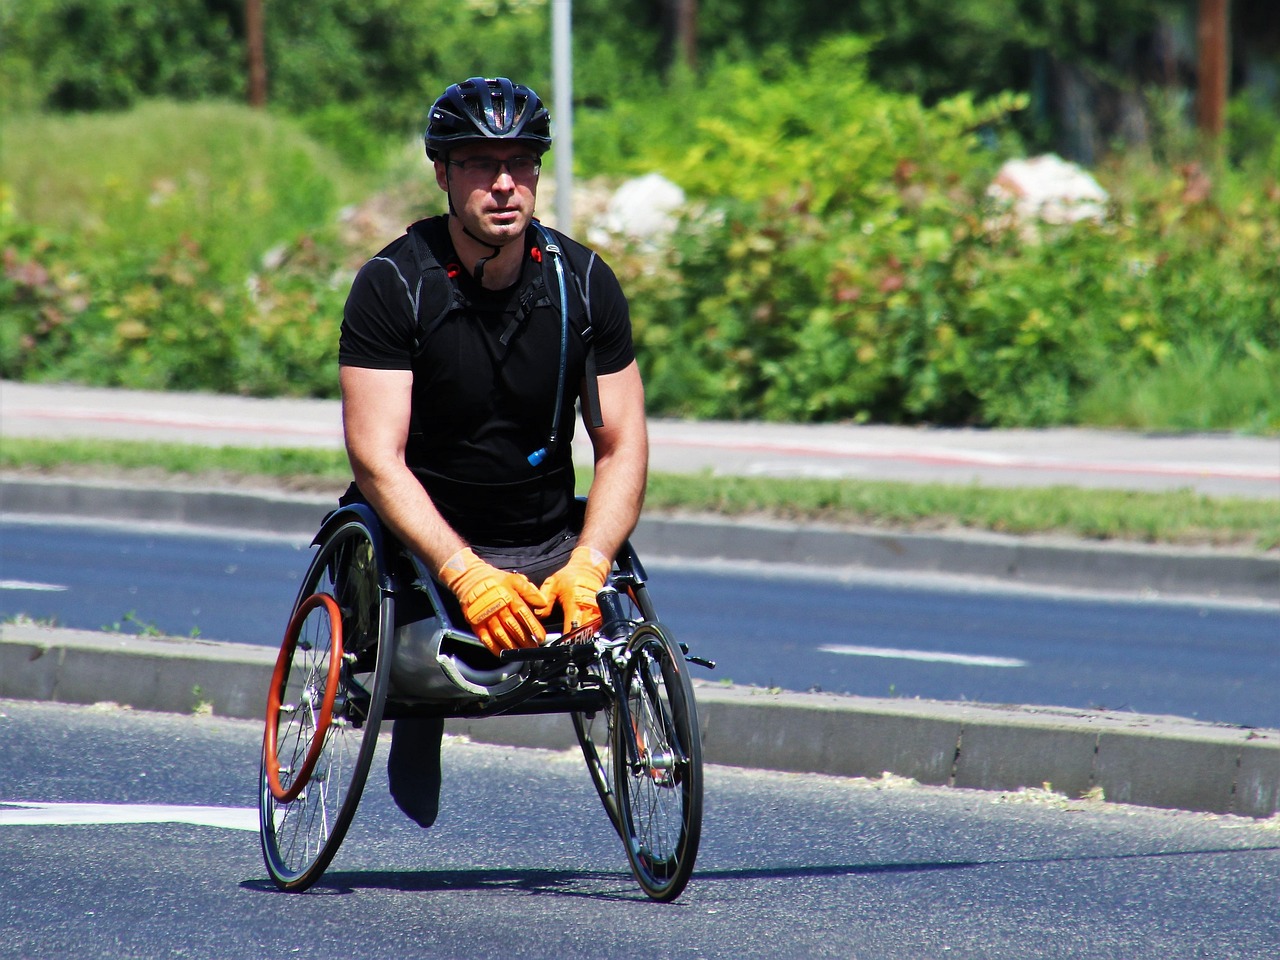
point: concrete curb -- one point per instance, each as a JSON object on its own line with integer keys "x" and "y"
{"x": 1008, "y": 559}
{"x": 1151, "y": 761}
{"x": 1014, "y": 560}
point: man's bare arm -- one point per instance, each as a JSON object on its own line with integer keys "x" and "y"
{"x": 621, "y": 462}
{"x": 376, "y": 406}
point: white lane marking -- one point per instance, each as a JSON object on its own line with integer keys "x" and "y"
{"x": 77, "y": 814}
{"x": 927, "y": 656}
{"x": 29, "y": 585}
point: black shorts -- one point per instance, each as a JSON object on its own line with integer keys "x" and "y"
{"x": 537, "y": 561}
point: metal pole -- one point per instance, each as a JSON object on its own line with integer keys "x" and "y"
{"x": 562, "y": 73}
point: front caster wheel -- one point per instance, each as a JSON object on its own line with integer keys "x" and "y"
{"x": 657, "y": 756}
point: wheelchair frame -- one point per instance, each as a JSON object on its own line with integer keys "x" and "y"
{"x": 348, "y": 662}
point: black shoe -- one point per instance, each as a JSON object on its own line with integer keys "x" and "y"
{"x": 413, "y": 767}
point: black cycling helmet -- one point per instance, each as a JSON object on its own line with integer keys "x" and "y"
{"x": 481, "y": 109}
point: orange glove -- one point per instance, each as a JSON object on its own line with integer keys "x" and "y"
{"x": 575, "y": 586}
{"x": 495, "y": 602}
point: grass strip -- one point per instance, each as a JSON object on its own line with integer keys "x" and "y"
{"x": 1178, "y": 517}
{"x": 294, "y": 465}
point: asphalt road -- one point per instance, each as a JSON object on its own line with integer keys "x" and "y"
{"x": 523, "y": 864}
{"x": 1136, "y": 758}
{"x": 798, "y": 631}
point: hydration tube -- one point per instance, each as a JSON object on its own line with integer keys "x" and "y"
{"x": 552, "y": 248}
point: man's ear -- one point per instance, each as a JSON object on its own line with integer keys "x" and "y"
{"x": 442, "y": 174}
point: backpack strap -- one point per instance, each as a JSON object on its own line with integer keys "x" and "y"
{"x": 534, "y": 296}
{"x": 591, "y": 402}
{"x": 557, "y": 257}
{"x": 433, "y": 281}
{"x": 557, "y": 260}
{"x": 596, "y": 418}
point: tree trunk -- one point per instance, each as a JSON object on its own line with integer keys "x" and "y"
{"x": 1211, "y": 69}
{"x": 687, "y": 32}
{"x": 254, "y": 40}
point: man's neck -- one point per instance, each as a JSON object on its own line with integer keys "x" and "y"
{"x": 501, "y": 271}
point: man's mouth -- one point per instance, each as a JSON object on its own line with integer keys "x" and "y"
{"x": 503, "y": 219}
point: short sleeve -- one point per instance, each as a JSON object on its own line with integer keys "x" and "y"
{"x": 610, "y": 319}
{"x": 380, "y": 318}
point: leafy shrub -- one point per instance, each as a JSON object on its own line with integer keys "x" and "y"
{"x": 837, "y": 264}
{"x": 389, "y": 59}
{"x": 858, "y": 271}
{"x": 109, "y": 54}
{"x": 383, "y": 60}
{"x": 133, "y": 252}
{"x": 165, "y": 322}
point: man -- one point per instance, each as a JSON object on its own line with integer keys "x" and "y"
{"x": 458, "y": 426}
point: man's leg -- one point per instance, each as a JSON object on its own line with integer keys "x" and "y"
{"x": 413, "y": 767}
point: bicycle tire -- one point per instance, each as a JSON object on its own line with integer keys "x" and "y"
{"x": 301, "y": 836}
{"x": 657, "y": 756}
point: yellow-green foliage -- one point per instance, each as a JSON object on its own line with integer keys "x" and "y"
{"x": 237, "y": 181}
{"x": 840, "y": 259}
{"x": 134, "y": 247}
{"x": 844, "y": 262}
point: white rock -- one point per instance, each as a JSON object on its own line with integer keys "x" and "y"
{"x": 642, "y": 209}
{"x": 1049, "y": 189}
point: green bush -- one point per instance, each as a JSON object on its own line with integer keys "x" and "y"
{"x": 109, "y": 54}
{"x": 858, "y": 271}
{"x": 389, "y": 59}
{"x": 134, "y": 249}
{"x": 836, "y": 264}
{"x": 166, "y": 323}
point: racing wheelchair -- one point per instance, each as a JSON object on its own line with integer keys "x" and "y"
{"x": 370, "y": 638}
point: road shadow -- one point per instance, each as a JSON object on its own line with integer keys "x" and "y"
{"x": 589, "y": 884}
{"x": 608, "y": 885}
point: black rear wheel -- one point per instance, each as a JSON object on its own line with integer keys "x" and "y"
{"x": 657, "y": 758}
{"x": 324, "y": 708}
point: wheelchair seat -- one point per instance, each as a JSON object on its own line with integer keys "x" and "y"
{"x": 434, "y": 661}
{"x": 435, "y": 664}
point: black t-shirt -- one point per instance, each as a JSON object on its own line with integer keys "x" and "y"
{"x": 481, "y": 407}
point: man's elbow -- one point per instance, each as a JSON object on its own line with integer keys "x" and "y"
{"x": 370, "y": 471}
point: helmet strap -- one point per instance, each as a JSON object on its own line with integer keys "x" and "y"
{"x": 480, "y": 264}
{"x": 478, "y": 270}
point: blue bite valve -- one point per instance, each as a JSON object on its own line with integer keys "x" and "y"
{"x": 537, "y": 456}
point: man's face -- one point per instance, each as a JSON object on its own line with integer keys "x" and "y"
{"x": 494, "y": 200}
